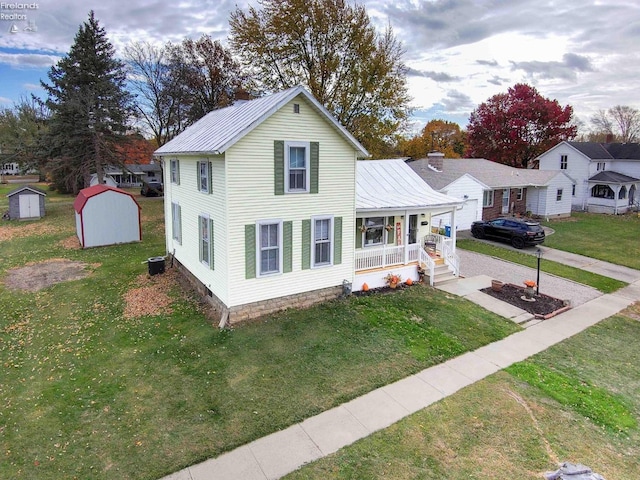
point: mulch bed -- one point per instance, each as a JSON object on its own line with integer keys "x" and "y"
{"x": 544, "y": 306}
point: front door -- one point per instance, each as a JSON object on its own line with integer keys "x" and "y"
{"x": 413, "y": 229}
{"x": 505, "y": 201}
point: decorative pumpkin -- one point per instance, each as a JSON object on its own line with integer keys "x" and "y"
{"x": 365, "y": 287}
{"x": 409, "y": 282}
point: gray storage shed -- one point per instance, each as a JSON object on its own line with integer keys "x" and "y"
{"x": 26, "y": 202}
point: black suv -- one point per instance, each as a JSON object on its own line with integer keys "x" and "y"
{"x": 152, "y": 189}
{"x": 516, "y": 231}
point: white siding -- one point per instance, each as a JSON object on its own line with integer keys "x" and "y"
{"x": 542, "y": 200}
{"x": 578, "y": 168}
{"x": 250, "y": 174}
{"x": 630, "y": 168}
{"x": 193, "y": 203}
{"x": 110, "y": 218}
{"x": 471, "y": 210}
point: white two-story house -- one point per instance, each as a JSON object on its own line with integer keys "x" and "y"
{"x": 606, "y": 175}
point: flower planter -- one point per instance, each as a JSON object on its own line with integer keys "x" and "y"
{"x": 496, "y": 285}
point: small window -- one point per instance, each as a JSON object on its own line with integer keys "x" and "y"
{"x": 174, "y": 167}
{"x": 373, "y": 231}
{"x": 176, "y": 222}
{"x": 296, "y": 108}
{"x": 573, "y": 190}
{"x": 601, "y": 166}
{"x": 204, "y": 177}
{"x": 269, "y": 249}
{"x": 487, "y": 198}
{"x": 563, "y": 162}
{"x": 519, "y": 193}
{"x": 297, "y": 167}
{"x": 559, "y": 195}
{"x": 322, "y": 236}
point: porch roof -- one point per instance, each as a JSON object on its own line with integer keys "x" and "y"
{"x": 612, "y": 177}
{"x": 392, "y": 184}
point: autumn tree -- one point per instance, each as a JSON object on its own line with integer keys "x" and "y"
{"x": 437, "y": 135}
{"x": 620, "y": 123}
{"x": 332, "y": 48}
{"x": 90, "y": 108}
{"x": 515, "y": 127}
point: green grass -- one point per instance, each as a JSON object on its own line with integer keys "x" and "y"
{"x": 599, "y": 282}
{"x": 578, "y": 401}
{"x": 88, "y": 393}
{"x": 613, "y": 238}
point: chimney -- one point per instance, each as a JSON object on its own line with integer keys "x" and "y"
{"x": 609, "y": 138}
{"x": 242, "y": 94}
{"x": 435, "y": 160}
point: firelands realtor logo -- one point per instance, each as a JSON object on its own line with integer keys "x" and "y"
{"x": 19, "y": 16}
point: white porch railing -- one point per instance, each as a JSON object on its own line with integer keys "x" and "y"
{"x": 380, "y": 257}
{"x": 430, "y": 265}
{"x": 450, "y": 257}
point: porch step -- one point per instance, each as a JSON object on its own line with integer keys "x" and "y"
{"x": 442, "y": 275}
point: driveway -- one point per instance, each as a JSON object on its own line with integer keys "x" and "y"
{"x": 473, "y": 264}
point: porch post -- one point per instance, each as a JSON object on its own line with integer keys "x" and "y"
{"x": 453, "y": 229}
{"x": 406, "y": 237}
{"x": 616, "y": 192}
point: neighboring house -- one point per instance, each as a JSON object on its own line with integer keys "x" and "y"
{"x": 26, "y": 203}
{"x": 492, "y": 189}
{"x": 260, "y": 202}
{"x": 607, "y": 175}
{"x": 106, "y": 216}
{"x": 130, "y": 176}
{"x": 10, "y": 168}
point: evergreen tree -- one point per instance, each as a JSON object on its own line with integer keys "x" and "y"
{"x": 89, "y": 108}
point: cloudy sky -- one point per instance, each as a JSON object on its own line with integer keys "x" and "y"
{"x": 459, "y": 52}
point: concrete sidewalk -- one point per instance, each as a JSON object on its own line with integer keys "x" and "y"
{"x": 275, "y": 455}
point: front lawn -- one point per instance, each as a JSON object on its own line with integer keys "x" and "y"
{"x": 599, "y": 282}
{"x": 88, "y": 392}
{"x": 577, "y": 401}
{"x": 612, "y": 238}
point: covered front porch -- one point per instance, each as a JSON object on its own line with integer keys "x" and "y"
{"x": 612, "y": 192}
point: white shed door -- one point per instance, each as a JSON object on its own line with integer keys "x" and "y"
{"x": 468, "y": 214}
{"x": 29, "y": 206}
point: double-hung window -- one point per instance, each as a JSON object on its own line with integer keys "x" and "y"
{"x": 297, "y": 167}
{"x": 204, "y": 177}
{"x": 205, "y": 227}
{"x": 269, "y": 247}
{"x": 559, "y": 195}
{"x": 563, "y": 162}
{"x": 322, "y": 236}
{"x": 176, "y": 222}
{"x": 519, "y": 193}
{"x": 174, "y": 171}
{"x": 374, "y": 231}
{"x": 487, "y": 198}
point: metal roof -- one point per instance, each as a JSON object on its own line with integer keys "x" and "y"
{"x": 493, "y": 175}
{"x": 391, "y": 184}
{"x": 220, "y": 129}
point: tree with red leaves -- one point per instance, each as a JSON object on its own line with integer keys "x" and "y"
{"x": 515, "y": 127}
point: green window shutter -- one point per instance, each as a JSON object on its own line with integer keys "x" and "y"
{"x": 250, "y": 251}
{"x": 278, "y": 167}
{"x": 200, "y": 237}
{"x": 390, "y": 233}
{"x": 287, "y": 247}
{"x": 177, "y": 172}
{"x": 337, "y": 240}
{"x": 211, "y": 247}
{"x": 210, "y": 183}
{"x": 358, "y": 232}
{"x": 315, "y": 166}
{"x": 198, "y": 176}
{"x": 306, "y": 244}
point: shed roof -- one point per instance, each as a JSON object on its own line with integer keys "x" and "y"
{"x": 220, "y": 129}
{"x": 612, "y": 177}
{"x": 86, "y": 193}
{"x": 492, "y": 174}
{"x": 391, "y": 184}
{"x": 26, "y": 187}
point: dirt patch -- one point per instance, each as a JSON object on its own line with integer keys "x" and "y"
{"x": 512, "y": 294}
{"x": 27, "y": 230}
{"x": 36, "y": 276}
{"x": 632, "y": 311}
{"x": 70, "y": 243}
{"x": 150, "y": 297}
